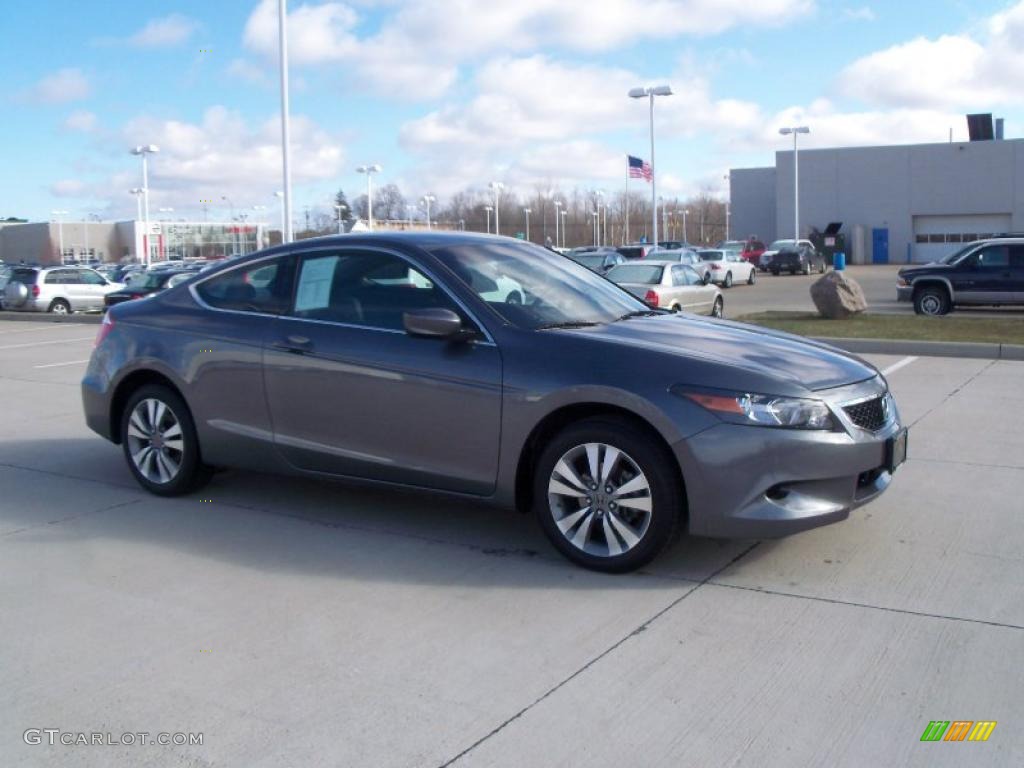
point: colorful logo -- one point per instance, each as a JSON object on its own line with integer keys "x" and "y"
{"x": 958, "y": 730}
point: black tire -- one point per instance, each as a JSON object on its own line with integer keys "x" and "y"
{"x": 932, "y": 301}
{"x": 192, "y": 473}
{"x": 727, "y": 283}
{"x": 59, "y": 307}
{"x": 676, "y": 308}
{"x": 718, "y": 308}
{"x": 752, "y": 278}
{"x": 807, "y": 268}
{"x": 821, "y": 268}
{"x": 667, "y": 500}
{"x": 775, "y": 271}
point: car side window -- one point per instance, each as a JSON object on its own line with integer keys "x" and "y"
{"x": 364, "y": 288}
{"x": 89, "y": 277}
{"x": 692, "y": 278}
{"x": 265, "y": 286}
{"x": 993, "y": 256}
{"x": 678, "y": 275}
{"x": 57, "y": 277}
{"x": 1017, "y": 255}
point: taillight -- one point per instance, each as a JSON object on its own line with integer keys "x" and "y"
{"x": 716, "y": 267}
{"x": 652, "y": 298}
{"x": 105, "y": 328}
{"x": 35, "y": 291}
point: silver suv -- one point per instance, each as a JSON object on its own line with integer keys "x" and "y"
{"x": 60, "y": 290}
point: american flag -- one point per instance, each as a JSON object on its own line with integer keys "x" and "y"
{"x": 639, "y": 169}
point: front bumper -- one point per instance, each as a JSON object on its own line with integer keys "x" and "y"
{"x": 904, "y": 292}
{"x": 764, "y": 482}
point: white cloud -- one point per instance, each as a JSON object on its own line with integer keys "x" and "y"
{"x": 68, "y": 188}
{"x": 81, "y": 120}
{"x": 247, "y": 71}
{"x": 965, "y": 71}
{"x": 60, "y": 87}
{"x": 416, "y": 51}
{"x": 166, "y": 31}
{"x": 864, "y": 13}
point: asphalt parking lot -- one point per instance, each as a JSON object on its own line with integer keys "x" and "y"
{"x": 301, "y": 623}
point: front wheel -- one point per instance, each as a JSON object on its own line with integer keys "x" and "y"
{"x": 607, "y": 496}
{"x": 160, "y": 442}
{"x": 931, "y": 301}
{"x": 728, "y": 280}
{"x": 752, "y": 277}
{"x": 718, "y": 308}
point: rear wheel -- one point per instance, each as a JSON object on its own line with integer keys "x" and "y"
{"x": 160, "y": 442}
{"x": 607, "y": 496}
{"x": 59, "y": 307}
{"x": 932, "y": 301}
{"x": 676, "y": 308}
{"x": 718, "y": 308}
{"x": 728, "y": 280}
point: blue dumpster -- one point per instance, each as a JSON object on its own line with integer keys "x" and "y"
{"x": 839, "y": 261}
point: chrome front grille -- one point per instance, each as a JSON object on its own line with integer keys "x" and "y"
{"x": 871, "y": 414}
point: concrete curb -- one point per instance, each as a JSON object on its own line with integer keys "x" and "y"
{"x": 46, "y": 317}
{"x": 984, "y": 351}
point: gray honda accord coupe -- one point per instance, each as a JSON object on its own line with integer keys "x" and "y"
{"x": 492, "y": 369}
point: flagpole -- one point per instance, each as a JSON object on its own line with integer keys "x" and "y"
{"x": 626, "y": 240}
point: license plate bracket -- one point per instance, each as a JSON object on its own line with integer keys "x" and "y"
{"x": 896, "y": 450}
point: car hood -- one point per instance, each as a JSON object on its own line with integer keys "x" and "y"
{"x": 759, "y": 356}
{"x": 931, "y": 266}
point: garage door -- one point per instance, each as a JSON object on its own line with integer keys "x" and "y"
{"x": 938, "y": 236}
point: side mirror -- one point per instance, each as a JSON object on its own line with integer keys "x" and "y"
{"x": 434, "y": 323}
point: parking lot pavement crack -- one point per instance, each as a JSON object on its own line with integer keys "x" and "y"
{"x": 610, "y": 649}
{"x": 69, "y": 518}
{"x": 854, "y": 604}
{"x": 957, "y": 390}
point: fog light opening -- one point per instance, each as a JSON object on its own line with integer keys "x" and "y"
{"x": 777, "y": 493}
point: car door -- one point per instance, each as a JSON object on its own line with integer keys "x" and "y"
{"x": 93, "y": 287}
{"x": 1017, "y": 273}
{"x": 984, "y": 277}
{"x": 351, "y": 393}
{"x": 701, "y": 295}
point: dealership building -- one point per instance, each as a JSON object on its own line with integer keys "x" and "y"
{"x": 897, "y": 204}
{"x": 61, "y": 242}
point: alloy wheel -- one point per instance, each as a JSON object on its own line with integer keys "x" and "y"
{"x": 155, "y": 441}
{"x": 600, "y": 499}
{"x": 931, "y": 304}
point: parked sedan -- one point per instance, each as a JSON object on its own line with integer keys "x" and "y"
{"x": 615, "y": 423}
{"x": 803, "y": 259}
{"x": 728, "y": 268}
{"x": 148, "y": 285}
{"x": 689, "y": 257}
{"x": 598, "y": 261}
{"x": 669, "y": 285}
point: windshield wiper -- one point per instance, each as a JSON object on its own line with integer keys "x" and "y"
{"x": 567, "y": 324}
{"x": 640, "y": 313}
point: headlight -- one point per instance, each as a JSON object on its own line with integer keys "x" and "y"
{"x": 762, "y": 410}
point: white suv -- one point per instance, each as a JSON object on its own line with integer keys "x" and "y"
{"x": 60, "y": 290}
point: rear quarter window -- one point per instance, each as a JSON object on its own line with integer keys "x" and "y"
{"x": 25, "y": 276}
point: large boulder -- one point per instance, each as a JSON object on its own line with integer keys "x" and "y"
{"x": 837, "y": 296}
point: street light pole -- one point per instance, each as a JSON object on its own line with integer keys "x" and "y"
{"x": 339, "y": 208}
{"x": 565, "y": 238}
{"x": 796, "y": 130}
{"x": 686, "y": 212}
{"x": 664, "y": 218}
{"x": 369, "y": 170}
{"x": 427, "y": 200}
{"x": 497, "y": 186}
{"x": 287, "y": 235}
{"x": 558, "y": 219}
{"x": 143, "y": 150}
{"x": 650, "y": 93}
{"x": 526, "y": 213}
{"x": 488, "y": 208}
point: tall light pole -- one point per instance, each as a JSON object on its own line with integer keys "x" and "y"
{"x": 650, "y": 93}
{"x": 339, "y": 208}
{"x": 497, "y": 186}
{"x": 143, "y": 150}
{"x": 686, "y": 212}
{"x": 796, "y": 130}
{"x": 526, "y": 213}
{"x": 427, "y": 200}
{"x": 284, "y": 214}
{"x": 260, "y": 211}
{"x": 369, "y": 170}
{"x": 596, "y": 214}
{"x": 488, "y": 208}
{"x": 60, "y": 231}
{"x": 287, "y": 235}
{"x": 410, "y": 209}
{"x": 598, "y": 205}
{"x": 565, "y": 238}
{"x": 558, "y": 219}
{"x": 664, "y": 218}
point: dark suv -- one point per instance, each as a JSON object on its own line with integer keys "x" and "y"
{"x": 985, "y": 272}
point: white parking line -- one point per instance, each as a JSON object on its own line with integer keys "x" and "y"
{"x": 896, "y": 366}
{"x": 58, "y": 365}
{"x": 41, "y": 343}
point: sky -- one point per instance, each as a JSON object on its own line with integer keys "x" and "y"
{"x": 448, "y": 96}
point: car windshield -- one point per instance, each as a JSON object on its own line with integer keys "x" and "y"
{"x": 647, "y": 274}
{"x": 710, "y": 255}
{"x": 591, "y": 260}
{"x": 780, "y": 244}
{"x": 955, "y": 255}
{"x": 529, "y": 287}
